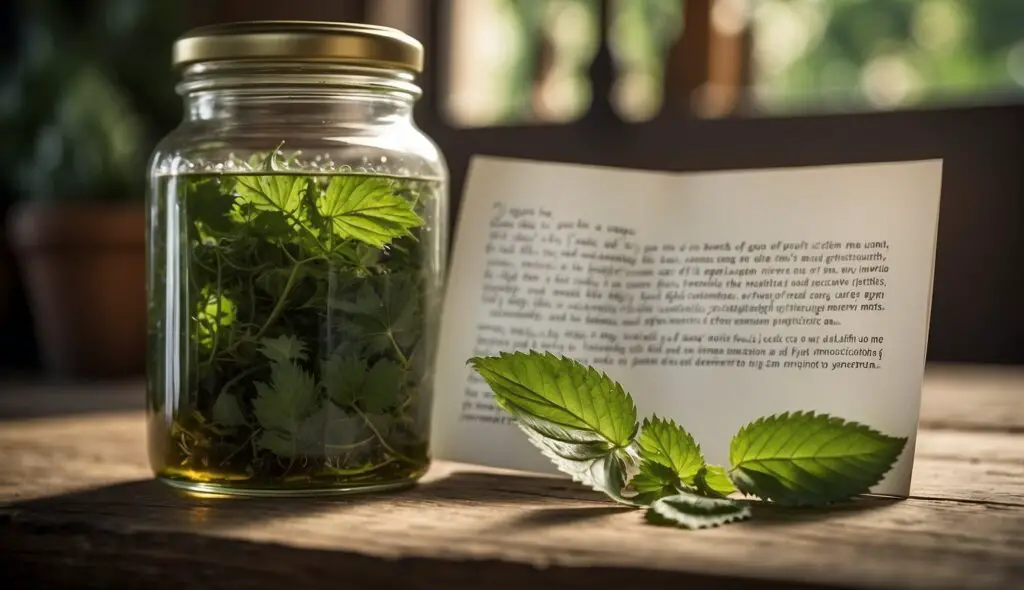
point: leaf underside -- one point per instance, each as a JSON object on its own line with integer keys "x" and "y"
{"x": 691, "y": 511}
{"x": 579, "y": 418}
{"x": 808, "y": 459}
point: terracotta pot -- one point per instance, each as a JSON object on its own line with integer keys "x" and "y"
{"x": 84, "y": 268}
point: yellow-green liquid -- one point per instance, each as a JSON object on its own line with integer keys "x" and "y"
{"x": 225, "y": 277}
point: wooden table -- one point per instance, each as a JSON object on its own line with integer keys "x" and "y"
{"x": 78, "y": 508}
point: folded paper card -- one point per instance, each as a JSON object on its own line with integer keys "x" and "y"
{"x": 715, "y": 298}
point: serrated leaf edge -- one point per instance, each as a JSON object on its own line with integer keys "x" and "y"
{"x": 653, "y": 421}
{"x": 664, "y": 518}
{"x": 476, "y": 364}
{"x": 744, "y": 484}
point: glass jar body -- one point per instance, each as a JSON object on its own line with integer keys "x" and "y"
{"x": 296, "y": 243}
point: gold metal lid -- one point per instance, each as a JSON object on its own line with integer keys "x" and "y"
{"x": 343, "y": 43}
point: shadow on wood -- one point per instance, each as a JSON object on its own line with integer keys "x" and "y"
{"x": 148, "y": 504}
{"x": 772, "y": 515}
{"x": 540, "y": 518}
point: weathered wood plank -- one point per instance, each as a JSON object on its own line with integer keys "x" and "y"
{"x": 53, "y": 456}
{"x": 75, "y": 497}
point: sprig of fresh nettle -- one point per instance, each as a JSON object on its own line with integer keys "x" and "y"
{"x": 306, "y": 300}
{"x": 587, "y": 425}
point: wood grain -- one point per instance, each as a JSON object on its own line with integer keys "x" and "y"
{"x": 78, "y": 508}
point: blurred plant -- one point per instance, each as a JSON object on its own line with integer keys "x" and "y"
{"x": 87, "y": 95}
{"x": 886, "y": 54}
{"x": 641, "y": 33}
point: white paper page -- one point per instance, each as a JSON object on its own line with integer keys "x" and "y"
{"x": 687, "y": 289}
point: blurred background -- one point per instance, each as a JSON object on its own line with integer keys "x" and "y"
{"x": 86, "y": 90}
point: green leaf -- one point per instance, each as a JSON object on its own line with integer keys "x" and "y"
{"x": 584, "y": 456}
{"x": 343, "y": 378}
{"x": 271, "y": 192}
{"x": 383, "y": 386}
{"x": 328, "y": 427}
{"x": 666, "y": 443}
{"x": 348, "y": 382}
{"x": 283, "y": 349}
{"x": 272, "y": 224}
{"x": 227, "y": 411}
{"x": 654, "y": 481}
{"x": 804, "y": 458}
{"x": 384, "y": 313}
{"x": 281, "y": 444}
{"x": 316, "y": 435}
{"x": 291, "y": 396}
{"x": 563, "y": 392}
{"x": 367, "y": 209}
{"x": 691, "y": 511}
{"x": 713, "y": 481}
{"x": 579, "y": 418}
{"x": 208, "y": 208}
{"x": 215, "y": 312}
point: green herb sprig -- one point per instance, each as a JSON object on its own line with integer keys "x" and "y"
{"x": 305, "y": 298}
{"x": 586, "y": 423}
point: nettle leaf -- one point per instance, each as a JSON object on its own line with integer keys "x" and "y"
{"x": 349, "y": 382}
{"x": 383, "y": 386}
{"x": 367, "y": 209}
{"x": 386, "y": 315}
{"x": 343, "y": 378}
{"x": 227, "y": 411}
{"x": 272, "y": 224}
{"x": 271, "y": 192}
{"x": 291, "y": 396}
{"x": 208, "y": 208}
{"x": 283, "y": 349}
{"x": 563, "y": 392}
{"x": 804, "y": 458}
{"x": 713, "y": 481}
{"x": 578, "y": 417}
{"x": 654, "y": 481}
{"x": 667, "y": 444}
{"x": 691, "y": 511}
{"x": 327, "y": 427}
{"x": 583, "y": 455}
{"x": 282, "y": 444}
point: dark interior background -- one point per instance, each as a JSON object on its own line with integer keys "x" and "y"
{"x": 977, "y": 302}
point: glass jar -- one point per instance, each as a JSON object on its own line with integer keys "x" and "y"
{"x": 296, "y": 243}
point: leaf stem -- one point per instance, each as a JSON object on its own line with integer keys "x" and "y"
{"x": 216, "y": 323}
{"x": 398, "y": 350}
{"x": 239, "y": 449}
{"x": 283, "y": 299}
{"x": 237, "y": 378}
{"x": 383, "y": 442}
{"x": 350, "y": 445}
{"x": 357, "y": 470}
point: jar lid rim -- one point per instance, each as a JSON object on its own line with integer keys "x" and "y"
{"x": 302, "y": 41}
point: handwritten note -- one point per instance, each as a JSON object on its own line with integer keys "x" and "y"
{"x": 715, "y": 298}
